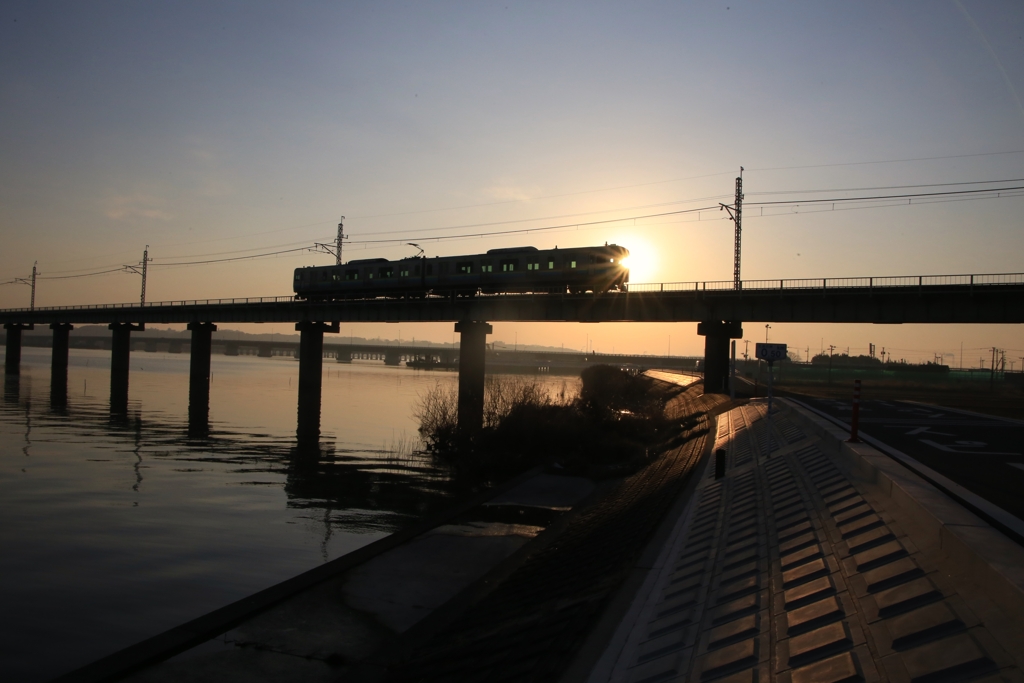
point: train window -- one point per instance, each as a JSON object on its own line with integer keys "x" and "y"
{"x": 487, "y": 268}
{"x": 551, "y": 265}
{"x": 352, "y": 274}
{"x": 572, "y": 264}
{"x": 369, "y": 275}
{"x": 323, "y": 276}
{"x": 533, "y": 266}
{"x": 403, "y": 273}
{"x": 385, "y": 272}
{"x": 509, "y": 265}
{"x": 418, "y": 270}
{"x": 298, "y": 275}
{"x": 336, "y": 275}
{"x": 464, "y": 267}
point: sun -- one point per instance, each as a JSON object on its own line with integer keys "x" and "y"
{"x": 642, "y": 260}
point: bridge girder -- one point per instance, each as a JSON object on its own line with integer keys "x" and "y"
{"x": 929, "y": 304}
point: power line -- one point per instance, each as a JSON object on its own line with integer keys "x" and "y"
{"x": 890, "y": 161}
{"x": 237, "y": 258}
{"x": 565, "y": 215}
{"x": 68, "y": 277}
{"x": 838, "y": 200}
{"x": 894, "y": 187}
{"x": 550, "y": 196}
{"x": 517, "y": 231}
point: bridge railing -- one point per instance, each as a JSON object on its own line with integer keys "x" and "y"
{"x": 885, "y": 282}
{"x": 164, "y": 304}
{"x": 834, "y": 283}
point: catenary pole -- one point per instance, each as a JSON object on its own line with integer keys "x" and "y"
{"x": 341, "y": 236}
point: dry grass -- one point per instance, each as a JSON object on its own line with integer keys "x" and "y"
{"x": 613, "y": 419}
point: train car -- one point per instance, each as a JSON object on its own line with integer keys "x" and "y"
{"x": 517, "y": 269}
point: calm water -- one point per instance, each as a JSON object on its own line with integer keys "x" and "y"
{"x": 115, "y": 529}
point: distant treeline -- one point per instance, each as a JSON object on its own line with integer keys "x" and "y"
{"x": 842, "y": 360}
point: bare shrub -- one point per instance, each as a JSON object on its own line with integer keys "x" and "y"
{"x": 608, "y": 419}
{"x": 437, "y": 410}
{"x": 504, "y": 393}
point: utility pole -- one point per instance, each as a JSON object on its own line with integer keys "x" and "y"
{"x": 736, "y": 216}
{"x": 145, "y": 264}
{"x": 830, "y": 350}
{"x": 32, "y": 302}
{"x": 341, "y": 236}
{"x": 142, "y": 272}
{"x": 32, "y": 283}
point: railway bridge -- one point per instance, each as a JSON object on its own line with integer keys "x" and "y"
{"x": 718, "y": 308}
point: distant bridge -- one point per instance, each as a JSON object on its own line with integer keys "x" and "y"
{"x": 500, "y": 358}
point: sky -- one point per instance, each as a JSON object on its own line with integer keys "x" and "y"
{"x": 212, "y": 130}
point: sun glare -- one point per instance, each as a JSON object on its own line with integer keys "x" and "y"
{"x": 642, "y": 260}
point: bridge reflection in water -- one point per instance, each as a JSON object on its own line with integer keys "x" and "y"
{"x": 221, "y": 514}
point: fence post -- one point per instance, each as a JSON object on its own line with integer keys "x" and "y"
{"x": 855, "y": 418}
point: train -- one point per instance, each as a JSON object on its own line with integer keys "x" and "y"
{"x": 510, "y": 270}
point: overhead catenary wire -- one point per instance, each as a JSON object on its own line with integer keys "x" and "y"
{"x": 953, "y": 195}
{"x": 890, "y": 187}
{"x": 517, "y": 231}
{"x": 891, "y": 196}
{"x": 889, "y": 161}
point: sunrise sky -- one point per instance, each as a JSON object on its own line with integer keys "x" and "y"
{"x": 212, "y": 130}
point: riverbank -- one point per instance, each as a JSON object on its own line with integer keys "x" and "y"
{"x": 374, "y": 609}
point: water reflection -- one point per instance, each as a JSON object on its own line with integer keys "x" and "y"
{"x": 12, "y": 387}
{"x": 372, "y": 489}
{"x": 189, "y": 510}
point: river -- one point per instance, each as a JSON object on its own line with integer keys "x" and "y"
{"x": 115, "y": 528}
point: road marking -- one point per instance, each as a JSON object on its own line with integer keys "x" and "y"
{"x": 922, "y": 430}
{"x": 953, "y": 450}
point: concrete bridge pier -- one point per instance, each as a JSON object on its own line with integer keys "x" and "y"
{"x": 311, "y": 367}
{"x": 717, "y": 334}
{"x": 344, "y": 356}
{"x": 472, "y": 350}
{"x": 392, "y": 357}
{"x": 59, "y": 363}
{"x": 12, "y": 361}
{"x": 120, "y": 355}
{"x": 199, "y": 376}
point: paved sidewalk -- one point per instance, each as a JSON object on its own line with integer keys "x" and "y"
{"x": 785, "y": 571}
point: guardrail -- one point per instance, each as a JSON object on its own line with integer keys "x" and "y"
{"x": 824, "y": 284}
{"x": 160, "y": 304}
{"x": 828, "y": 283}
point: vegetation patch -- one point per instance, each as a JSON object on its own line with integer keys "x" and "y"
{"x": 613, "y": 424}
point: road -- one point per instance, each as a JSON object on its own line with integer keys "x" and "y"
{"x": 681, "y": 378}
{"x": 981, "y": 453}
